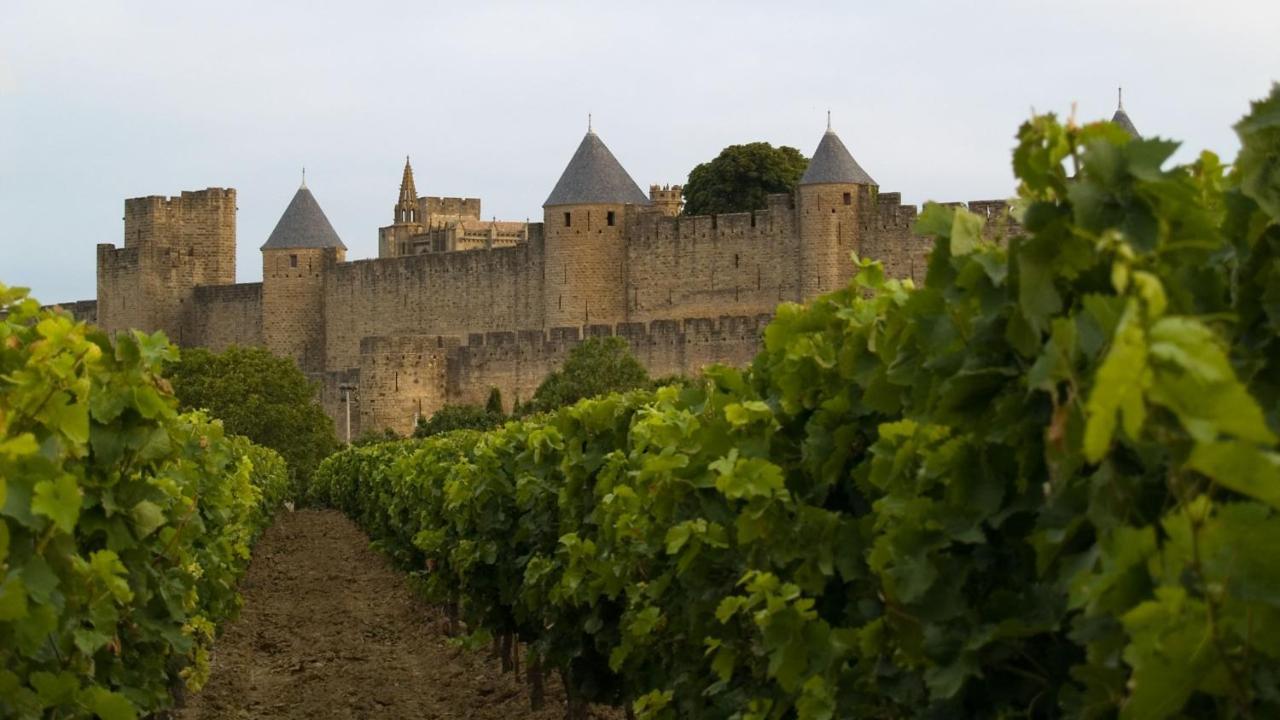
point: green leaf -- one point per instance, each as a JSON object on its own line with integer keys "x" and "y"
{"x": 1170, "y": 651}
{"x": 13, "y": 597}
{"x": 147, "y": 516}
{"x": 107, "y": 569}
{"x": 966, "y": 232}
{"x": 110, "y": 705}
{"x": 39, "y": 579}
{"x": 58, "y": 500}
{"x": 54, "y": 690}
{"x": 1118, "y": 388}
{"x": 1242, "y": 467}
{"x": 816, "y": 701}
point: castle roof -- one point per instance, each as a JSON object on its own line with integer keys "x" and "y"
{"x": 594, "y": 176}
{"x": 1121, "y": 117}
{"x": 408, "y": 193}
{"x": 303, "y": 225}
{"x": 833, "y": 163}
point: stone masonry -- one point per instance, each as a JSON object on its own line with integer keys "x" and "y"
{"x": 455, "y": 305}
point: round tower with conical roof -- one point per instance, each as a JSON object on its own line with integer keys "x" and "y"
{"x": 585, "y": 247}
{"x": 834, "y": 196}
{"x": 300, "y": 252}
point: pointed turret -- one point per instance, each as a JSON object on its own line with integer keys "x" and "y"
{"x": 1121, "y": 117}
{"x": 595, "y": 177}
{"x": 303, "y": 225}
{"x": 834, "y": 199}
{"x": 407, "y": 205}
{"x": 833, "y": 163}
{"x": 584, "y": 237}
{"x": 301, "y": 251}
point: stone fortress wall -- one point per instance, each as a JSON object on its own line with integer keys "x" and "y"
{"x": 425, "y": 325}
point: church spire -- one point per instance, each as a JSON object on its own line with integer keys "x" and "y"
{"x": 407, "y": 205}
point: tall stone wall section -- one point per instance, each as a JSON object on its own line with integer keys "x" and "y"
{"x": 705, "y": 266}
{"x": 226, "y": 315}
{"x": 432, "y": 294}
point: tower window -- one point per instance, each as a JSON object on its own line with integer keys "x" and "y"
{"x": 293, "y": 261}
{"x": 610, "y": 218}
{"x": 848, "y": 198}
{"x": 566, "y": 219}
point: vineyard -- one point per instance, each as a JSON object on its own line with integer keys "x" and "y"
{"x": 1045, "y": 483}
{"x": 125, "y": 525}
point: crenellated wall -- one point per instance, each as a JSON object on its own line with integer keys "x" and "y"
{"x": 740, "y": 263}
{"x": 226, "y": 315}
{"x": 412, "y": 333}
{"x": 437, "y": 293}
{"x": 406, "y": 377}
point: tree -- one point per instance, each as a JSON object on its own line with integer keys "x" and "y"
{"x": 494, "y": 403}
{"x": 740, "y": 177}
{"x": 263, "y": 397}
{"x": 459, "y": 417}
{"x": 596, "y": 367}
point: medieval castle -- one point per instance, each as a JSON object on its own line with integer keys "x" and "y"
{"x": 455, "y": 305}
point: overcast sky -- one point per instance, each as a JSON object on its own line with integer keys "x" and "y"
{"x": 105, "y": 100}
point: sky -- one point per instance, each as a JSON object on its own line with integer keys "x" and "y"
{"x": 104, "y": 100}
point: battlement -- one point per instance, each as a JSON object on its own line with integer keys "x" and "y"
{"x": 153, "y": 203}
{"x": 666, "y": 199}
{"x": 668, "y": 332}
{"x": 434, "y": 209}
{"x": 239, "y": 292}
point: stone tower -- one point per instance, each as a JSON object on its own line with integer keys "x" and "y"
{"x": 297, "y": 256}
{"x": 171, "y": 245}
{"x": 834, "y": 198}
{"x": 405, "y": 223}
{"x": 584, "y": 221}
{"x": 666, "y": 199}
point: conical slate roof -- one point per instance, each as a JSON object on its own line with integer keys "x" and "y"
{"x": 303, "y": 225}
{"x": 1121, "y": 117}
{"x": 594, "y": 176}
{"x": 832, "y": 163}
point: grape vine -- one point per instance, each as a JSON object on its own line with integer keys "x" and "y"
{"x": 1043, "y": 484}
{"x": 124, "y": 526}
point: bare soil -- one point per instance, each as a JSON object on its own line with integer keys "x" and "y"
{"x": 330, "y": 630}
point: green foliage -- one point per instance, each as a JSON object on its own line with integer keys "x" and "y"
{"x": 373, "y": 437}
{"x": 1043, "y": 484}
{"x": 494, "y": 404}
{"x": 598, "y": 366}
{"x": 260, "y": 396}
{"x": 124, "y": 526}
{"x": 458, "y": 417}
{"x": 740, "y": 177}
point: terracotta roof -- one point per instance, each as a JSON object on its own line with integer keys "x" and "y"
{"x": 833, "y": 163}
{"x": 303, "y": 225}
{"x": 594, "y": 176}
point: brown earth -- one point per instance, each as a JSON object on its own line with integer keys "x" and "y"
{"x": 330, "y": 630}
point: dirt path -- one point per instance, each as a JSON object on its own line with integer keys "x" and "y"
{"x": 329, "y": 630}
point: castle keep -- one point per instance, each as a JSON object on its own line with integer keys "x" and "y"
{"x": 454, "y": 304}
